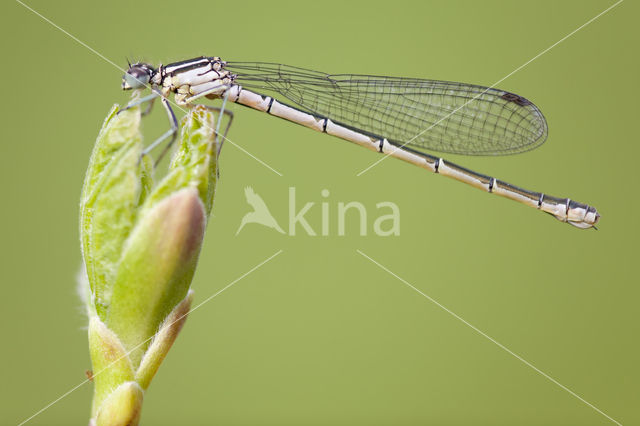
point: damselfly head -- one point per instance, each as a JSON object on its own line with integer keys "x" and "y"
{"x": 137, "y": 76}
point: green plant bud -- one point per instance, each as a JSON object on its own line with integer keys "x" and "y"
{"x": 141, "y": 242}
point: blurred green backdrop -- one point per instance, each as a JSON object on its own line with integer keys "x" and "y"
{"x": 321, "y": 335}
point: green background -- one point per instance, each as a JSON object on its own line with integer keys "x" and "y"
{"x": 321, "y": 335}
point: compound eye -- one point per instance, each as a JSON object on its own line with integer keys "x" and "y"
{"x": 135, "y": 78}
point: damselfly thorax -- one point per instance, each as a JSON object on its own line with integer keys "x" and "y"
{"x": 405, "y": 118}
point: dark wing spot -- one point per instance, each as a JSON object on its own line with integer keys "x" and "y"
{"x": 516, "y": 99}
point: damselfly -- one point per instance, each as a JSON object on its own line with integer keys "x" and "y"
{"x": 400, "y": 117}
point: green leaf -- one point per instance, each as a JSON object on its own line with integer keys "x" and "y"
{"x": 109, "y": 200}
{"x": 122, "y": 407}
{"x": 162, "y": 341}
{"x": 156, "y": 269}
{"x": 111, "y": 365}
{"x": 195, "y": 162}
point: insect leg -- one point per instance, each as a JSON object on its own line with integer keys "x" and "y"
{"x": 171, "y": 133}
{"x": 142, "y": 100}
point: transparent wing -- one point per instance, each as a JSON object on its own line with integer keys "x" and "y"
{"x": 427, "y": 115}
